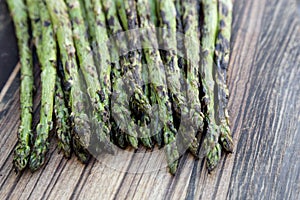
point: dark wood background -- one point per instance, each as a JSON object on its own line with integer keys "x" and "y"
{"x": 264, "y": 82}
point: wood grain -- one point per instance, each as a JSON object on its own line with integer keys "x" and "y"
{"x": 264, "y": 105}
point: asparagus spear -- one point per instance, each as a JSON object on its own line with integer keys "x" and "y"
{"x": 100, "y": 37}
{"x": 79, "y": 150}
{"x": 35, "y": 22}
{"x": 120, "y": 110}
{"x": 46, "y": 51}
{"x": 211, "y": 146}
{"x": 158, "y": 137}
{"x": 158, "y": 83}
{"x": 153, "y": 10}
{"x": 62, "y": 120}
{"x": 19, "y": 16}
{"x": 63, "y": 32}
{"x": 192, "y": 53}
{"x": 128, "y": 15}
{"x": 167, "y": 20}
{"x": 222, "y": 52}
{"x": 88, "y": 68}
{"x": 110, "y": 55}
{"x": 130, "y": 60}
{"x": 180, "y": 42}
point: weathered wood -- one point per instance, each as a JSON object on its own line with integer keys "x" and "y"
{"x": 264, "y": 77}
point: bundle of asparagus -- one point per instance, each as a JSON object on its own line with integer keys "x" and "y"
{"x": 98, "y": 92}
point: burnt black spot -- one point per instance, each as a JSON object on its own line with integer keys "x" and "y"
{"x": 47, "y": 23}
{"x": 37, "y": 20}
{"x": 101, "y": 95}
{"x": 220, "y": 37}
{"x": 224, "y": 10}
{"x": 55, "y": 11}
{"x": 180, "y": 62}
{"x": 66, "y": 86}
{"x": 218, "y": 47}
{"x": 222, "y": 24}
{"x": 205, "y": 53}
{"x": 71, "y": 6}
{"x": 111, "y": 21}
{"x": 224, "y": 65}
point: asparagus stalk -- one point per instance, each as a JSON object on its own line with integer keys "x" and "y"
{"x": 128, "y": 15}
{"x": 22, "y": 150}
{"x": 46, "y": 51}
{"x": 35, "y": 22}
{"x": 222, "y": 52}
{"x": 158, "y": 137}
{"x": 167, "y": 20}
{"x": 211, "y": 146}
{"x": 62, "y": 120}
{"x": 192, "y": 52}
{"x": 130, "y": 61}
{"x": 180, "y": 43}
{"x": 100, "y": 113}
{"x": 99, "y": 36}
{"x": 120, "y": 110}
{"x": 79, "y": 150}
{"x": 82, "y": 153}
{"x": 153, "y": 10}
{"x": 158, "y": 83}
{"x": 106, "y": 64}
{"x": 63, "y": 32}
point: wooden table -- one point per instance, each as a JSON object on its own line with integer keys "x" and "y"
{"x": 264, "y": 82}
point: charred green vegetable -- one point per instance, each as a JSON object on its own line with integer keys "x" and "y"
{"x": 158, "y": 83}
{"x": 222, "y": 52}
{"x": 19, "y": 16}
{"x": 192, "y": 52}
{"x": 88, "y": 68}
{"x": 167, "y": 20}
{"x": 62, "y": 124}
{"x": 127, "y": 11}
{"x": 46, "y": 51}
{"x": 121, "y": 110}
{"x": 212, "y": 148}
{"x": 63, "y": 32}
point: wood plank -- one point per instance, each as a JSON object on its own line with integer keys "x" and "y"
{"x": 264, "y": 77}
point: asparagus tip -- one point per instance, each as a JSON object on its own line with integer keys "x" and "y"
{"x": 213, "y": 158}
{"x": 226, "y": 139}
{"x": 21, "y": 157}
{"x": 173, "y": 167}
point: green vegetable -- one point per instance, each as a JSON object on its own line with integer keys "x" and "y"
{"x": 158, "y": 83}
{"x": 75, "y": 96}
{"x": 222, "y": 52}
{"x": 192, "y": 52}
{"x": 46, "y": 51}
{"x": 121, "y": 112}
{"x": 127, "y": 11}
{"x": 167, "y": 20}
{"x": 61, "y": 113}
{"x": 19, "y": 15}
{"x": 88, "y": 68}
{"x": 211, "y": 146}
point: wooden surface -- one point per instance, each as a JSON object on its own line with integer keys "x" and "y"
{"x": 264, "y": 82}
{"x": 8, "y": 45}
